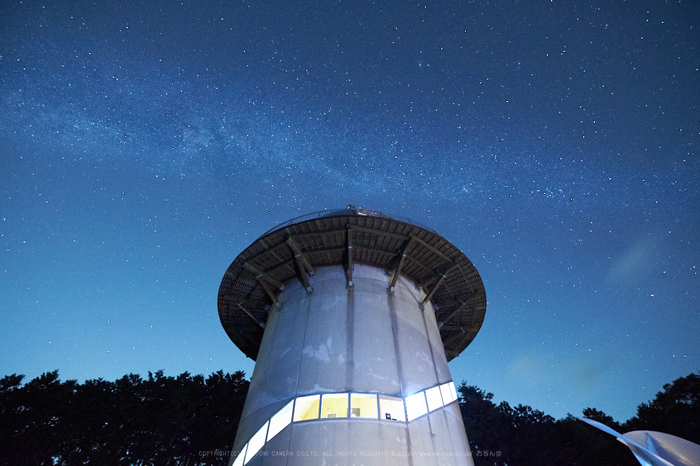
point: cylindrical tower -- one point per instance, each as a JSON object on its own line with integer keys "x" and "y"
{"x": 351, "y": 317}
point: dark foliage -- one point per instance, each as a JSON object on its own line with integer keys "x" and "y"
{"x": 675, "y": 411}
{"x": 161, "y": 420}
{"x": 503, "y": 435}
{"x": 190, "y": 420}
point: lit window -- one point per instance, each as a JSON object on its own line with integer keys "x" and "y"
{"x": 434, "y": 398}
{"x": 446, "y": 393}
{"x": 334, "y": 405}
{"x": 363, "y": 405}
{"x": 306, "y": 407}
{"x": 391, "y": 408}
{"x": 280, "y": 420}
{"x": 240, "y": 457}
{"x": 452, "y": 390}
{"x": 415, "y": 406}
{"x": 256, "y": 443}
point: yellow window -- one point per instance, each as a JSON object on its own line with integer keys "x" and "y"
{"x": 363, "y": 405}
{"x": 334, "y": 405}
{"x": 306, "y": 407}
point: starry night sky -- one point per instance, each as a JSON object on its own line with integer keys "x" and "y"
{"x": 144, "y": 145}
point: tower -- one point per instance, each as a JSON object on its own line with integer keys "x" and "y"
{"x": 351, "y": 317}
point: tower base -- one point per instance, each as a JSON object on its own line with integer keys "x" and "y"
{"x": 351, "y": 375}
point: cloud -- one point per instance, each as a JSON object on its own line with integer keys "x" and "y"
{"x": 635, "y": 263}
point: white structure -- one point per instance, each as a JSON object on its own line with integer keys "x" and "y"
{"x": 655, "y": 448}
{"x": 351, "y": 319}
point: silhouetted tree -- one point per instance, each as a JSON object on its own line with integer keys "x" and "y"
{"x": 600, "y": 416}
{"x": 581, "y": 444}
{"x": 675, "y": 411}
{"x": 158, "y": 421}
{"x": 189, "y": 420}
{"x": 503, "y": 435}
{"x": 12, "y": 417}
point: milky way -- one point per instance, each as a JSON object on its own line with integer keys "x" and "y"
{"x": 144, "y": 146}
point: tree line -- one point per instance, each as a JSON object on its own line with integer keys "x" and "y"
{"x": 191, "y": 420}
{"x": 526, "y": 436}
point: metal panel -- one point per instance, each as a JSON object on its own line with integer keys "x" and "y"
{"x": 338, "y": 341}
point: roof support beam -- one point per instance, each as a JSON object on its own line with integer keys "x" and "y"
{"x": 437, "y": 285}
{"x": 449, "y": 328}
{"x": 457, "y": 309}
{"x": 430, "y": 295}
{"x": 454, "y": 337}
{"x": 262, "y": 276}
{"x": 377, "y": 232}
{"x": 397, "y": 270}
{"x": 426, "y": 284}
{"x": 459, "y": 302}
{"x": 267, "y": 289}
{"x": 297, "y": 251}
{"x": 302, "y": 264}
{"x": 432, "y": 249}
{"x": 249, "y": 333}
{"x": 422, "y": 266}
{"x": 248, "y": 313}
{"x": 274, "y": 250}
{"x": 245, "y": 303}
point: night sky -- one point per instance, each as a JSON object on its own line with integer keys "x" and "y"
{"x": 144, "y": 145}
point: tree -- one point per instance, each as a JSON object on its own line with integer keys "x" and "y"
{"x": 502, "y": 435}
{"x": 675, "y": 411}
{"x": 505, "y": 435}
{"x": 157, "y": 421}
{"x": 600, "y": 416}
{"x": 483, "y": 424}
{"x": 163, "y": 420}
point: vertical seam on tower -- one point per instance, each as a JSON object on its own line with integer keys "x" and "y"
{"x": 432, "y": 357}
{"x": 449, "y": 431}
{"x": 301, "y": 360}
{"x": 430, "y": 345}
{"x": 303, "y": 343}
{"x": 350, "y": 343}
{"x": 394, "y": 331}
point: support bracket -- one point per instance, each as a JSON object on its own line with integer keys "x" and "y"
{"x": 397, "y": 270}
{"x": 461, "y": 306}
{"x": 437, "y": 285}
{"x": 249, "y": 314}
{"x": 302, "y": 264}
{"x": 262, "y": 276}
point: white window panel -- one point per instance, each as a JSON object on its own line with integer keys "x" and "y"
{"x": 280, "y": 420}
{"x": 415, "y": 406}
{"x": 391, "y": 408}
{"x": 446, "y": 393}
{"x": 256, "y": 443}
{"x": 241, "y": 456}
{"x": 434, "y": 398}
{"x": 452, "y": 390}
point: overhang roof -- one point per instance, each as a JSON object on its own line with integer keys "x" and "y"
{"x": 294, "y": 249}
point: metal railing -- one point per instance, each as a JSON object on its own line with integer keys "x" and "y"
{"x": 349, "y": 211}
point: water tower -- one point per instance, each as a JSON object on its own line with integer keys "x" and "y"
{"x": 351, "y": 317}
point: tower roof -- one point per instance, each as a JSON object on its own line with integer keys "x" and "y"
{"x": 292, "y": 250}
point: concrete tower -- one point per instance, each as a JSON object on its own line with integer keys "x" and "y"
{"x": 351, "y": 317}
